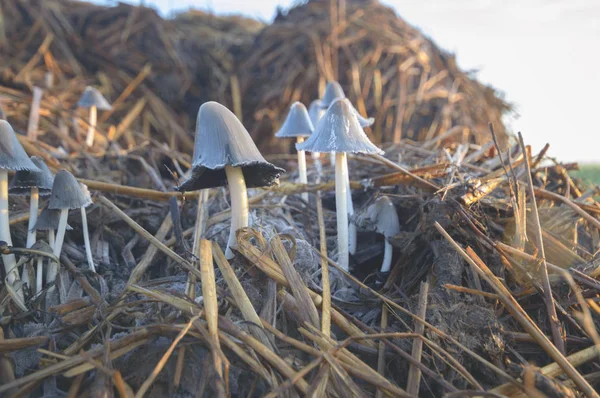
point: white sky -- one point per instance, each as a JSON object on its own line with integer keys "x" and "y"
{"x": 543, "y": 54}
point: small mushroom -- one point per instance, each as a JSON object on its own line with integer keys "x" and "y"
{"x": 224, "y": 154}
{"x": 382, "y": 213}
{"x": 316, "y": 112}
{"x": 48, "y": 220}
{"x": 67, "y": 194}
{"x": 14, "y": 158}
{"x": 333, "y": 91}
{"x": 92, "y": 99}
{"x": 297, "y": 124}
{"x": 339, "y": 132}
{"x": 34, "y": 184}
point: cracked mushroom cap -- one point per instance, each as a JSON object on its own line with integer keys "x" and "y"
{"x": 297, "y": 123}
{"x": 93, "y": 97}
{"x": 384, "y": 216}
{"x": 24, "y": 180}
{"x": 48, "y": 219}
{"x": 339, "y": 131}
{"x": 12, "y": 154}
{"x": 67, "y": 193}
{"x": 222, "y": 140}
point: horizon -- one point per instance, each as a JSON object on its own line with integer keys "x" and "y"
{"x": 512, "y": 46}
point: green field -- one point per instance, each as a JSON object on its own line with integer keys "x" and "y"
{"x": 589, "y": 173}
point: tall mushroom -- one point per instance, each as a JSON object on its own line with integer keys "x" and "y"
{"x": 382, "y": 214}
{"x": 224, "y": 154}
{"x": 92, "y": 100}
{"x": 12, "y": 157}
{"x": 67, "y": 194}
{"x": 297, "y": 124}
{"x": 34, "y": 184}
{"x": 48, "y": 220}
{"x": 340, "y": 132}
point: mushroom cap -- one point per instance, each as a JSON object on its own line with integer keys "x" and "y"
{"x": 363, "y": 121}
{"x": 222, "y": 140}
{"x": 12, "y": 154}
{"x": 333, "y": 91}
{"x": 297, "y": 123}
{"x": 67, "y": 192}
{"x": 24, "y": 180}
{"x": 93, "y": 97}
{"x": 384, "y": 216}
{"x": 48, "y": 219}
{"x": 316, "y": 111}
{"x": 2, "y": 114}
{"x": 339, "y": 131}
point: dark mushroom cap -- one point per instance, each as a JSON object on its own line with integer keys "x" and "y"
{"x": 222, "y": 140}
{"x": 384, "y": 217}
{"x": 67, "y": 193}
{"x": 24, "y": 180}
{"x": 12, "y": 154}
{"x": 92, "y": 97}
{"x": 339, "y": 131}
{"x": 333, "y": 91}
{"x": 297, "y": 123}
{"x": 48, "y": 219}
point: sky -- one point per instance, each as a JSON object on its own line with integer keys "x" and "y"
{"x": 544, "y": 55}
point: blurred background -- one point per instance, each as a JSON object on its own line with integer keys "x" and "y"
{"x": 542, "y": 54}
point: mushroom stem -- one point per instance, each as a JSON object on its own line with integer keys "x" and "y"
{"x": 331, "y": 158}
{"x": 31, "y": 235}
{"x": 302, "y": 179}
{"x": 351, "y": 224}
{"x": 341, "y": 197}
{"x": 86, "y": 240}
{"x": 58, "y": 243}
{"x": 318, "y": 165}
{"x": 387, "y": 257}
{"x": 9, "y": 260}
{"x": 89, "y": 141}
{"x": 239, "y": 206}
{"x": 40, "y": 268}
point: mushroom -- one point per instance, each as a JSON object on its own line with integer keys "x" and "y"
{"x": 92, "y": 100}
{"x": 224, "y": 154}
{"x": 297, "y": 124}
{"x": 382, "y": 213}
{"x": 48, "y": 220}
{"x": 34, "y": 184}
{"x": 2, "y": 114}
{"x": 339, "y": 132}
{"x": 12, "y": 157}
{"x": 333, "y": 91}
{"x": 316, "y": 112}
{"x": 67, "y": 194}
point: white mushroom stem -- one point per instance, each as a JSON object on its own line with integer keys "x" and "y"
{"x": 387, "y": 257}
{"x": 318, "y": 166}
{"x": 239, "y": 206}
{"x": 31, "y": 236}
{"x": 86, "y": 240}
{"x": 89, "y": 141}
{"x": 40, "y": 261}
{"x": 332, "y": 158}
{"x": 9, "y": 260}
{"x": 341, "y": 197}
{"x": 34, "y": 114}
{"x": 302, "y": 179}
{"x": 58, "y": 243}
{"x": 351, "y": 224}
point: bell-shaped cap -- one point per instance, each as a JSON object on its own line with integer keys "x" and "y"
{"x": 12, "y": 154}
{"x": 297, "y": 123}
{"x": 339, "y": 131}
{"x": 24, "y": 180}
{"x": 384, "y": 217}
{"x": 222, "y": 140}
{"x": 92, "y": 97}
{"x": 333, "y": 91}
{"x": 67, "y": 193}
{"x": 48, "y": 219}
{"x": 316, "y": 111}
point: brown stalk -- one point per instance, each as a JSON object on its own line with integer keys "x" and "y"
{"x": 414, "y": 374}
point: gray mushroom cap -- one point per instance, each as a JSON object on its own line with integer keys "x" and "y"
{"x": 333, "y": 91}
{"x": 24, "y": 180}
{"x": 363, "y": 121}
{"x": 93, "y": 97}
{"x": 384, "y": 217}
{"x": 12, "y": 154}
{"x": 222, "y": 140}
{"x": 2, "y": 114}
{"x": 67, "y": 193}
{"x": 297, "y": 123}
{"x": 48, "y": 219}
{"x": 316, "y": 111}
{"x": 339, "y": 131}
